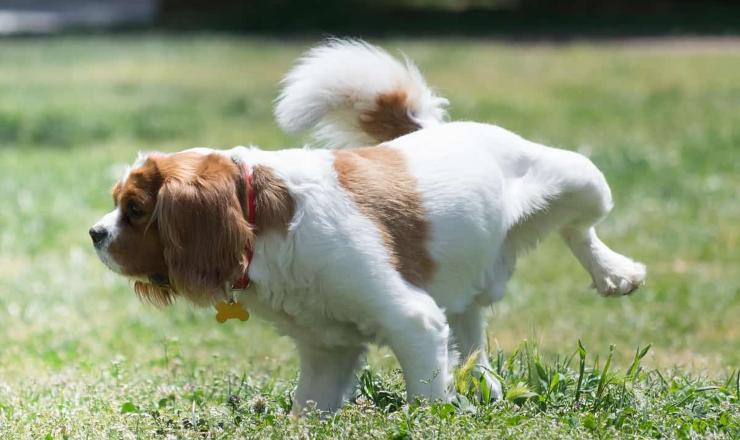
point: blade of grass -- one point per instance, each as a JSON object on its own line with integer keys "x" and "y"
{"x": 463, "y": 376}
{"x": 581, "y": 369}
{"x": 729, "y": 381}
{"x": 635, "y": 366}
{"x": 603, "y": 379}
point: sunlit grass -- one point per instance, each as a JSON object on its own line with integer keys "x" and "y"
{"x": 76, "y": 346}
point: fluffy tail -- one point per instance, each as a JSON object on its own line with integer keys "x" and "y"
{"x": 352, "y": 94}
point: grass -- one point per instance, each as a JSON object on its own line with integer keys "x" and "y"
{"x": 81, "y": 358}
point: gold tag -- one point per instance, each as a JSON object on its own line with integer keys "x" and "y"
{"x": 230, "y": 310}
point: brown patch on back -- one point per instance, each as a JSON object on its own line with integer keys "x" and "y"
{"x": 379, "y": 182}
{"x": 273, "y": 204}
{"x": 390, "y": 118}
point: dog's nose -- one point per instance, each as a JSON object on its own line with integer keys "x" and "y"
{"x": 98, "y": 234}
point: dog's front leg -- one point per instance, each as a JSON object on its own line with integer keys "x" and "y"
{"x": 326, "y": 376}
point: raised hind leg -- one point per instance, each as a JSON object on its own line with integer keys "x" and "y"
{"x": 613, "y": 274}
{"x": 586, "y": 195}
{"x": 575, "y": 197}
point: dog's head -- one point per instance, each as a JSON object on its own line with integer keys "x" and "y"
{"x": 178, "y": 227}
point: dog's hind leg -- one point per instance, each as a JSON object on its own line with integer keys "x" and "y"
{"x": 613, "y": 274}
{"x": 575, "y": 197}
{"x": 416, "y": 329}
{"x": 468, "y": 335}
{"x": 585, "y": 193}
{"x": 326, "y": 376}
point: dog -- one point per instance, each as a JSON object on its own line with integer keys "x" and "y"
{"x": 401, "y": 233}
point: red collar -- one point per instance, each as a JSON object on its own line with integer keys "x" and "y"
{"x": 243, "y": 282}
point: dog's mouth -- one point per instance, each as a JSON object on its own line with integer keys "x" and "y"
{"x": 154, "y": 288}
{"x": 155, "y": 279}
{"x": 107, "y": 259}
{"x": 159, "y": 280}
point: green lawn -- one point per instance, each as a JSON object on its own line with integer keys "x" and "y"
{"x": 80, "y": 357}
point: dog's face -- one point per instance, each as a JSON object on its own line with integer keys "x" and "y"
{"x": 177, "y": 227}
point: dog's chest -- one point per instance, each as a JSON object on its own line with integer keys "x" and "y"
{"x": 305, "y": 316}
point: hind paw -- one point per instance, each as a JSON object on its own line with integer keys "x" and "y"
{"x": 621, "y": 277}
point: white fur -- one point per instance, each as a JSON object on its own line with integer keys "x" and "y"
{"x": 488, "y": 196}
{"x": 333, "y": 84}
{"x": 109, "y": 222}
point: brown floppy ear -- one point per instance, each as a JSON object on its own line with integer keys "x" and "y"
{"x": 202, "y": 226}
{"x": 274, "y": 205}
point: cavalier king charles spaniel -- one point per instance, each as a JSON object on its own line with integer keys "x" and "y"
{"x": 401, "y": 232}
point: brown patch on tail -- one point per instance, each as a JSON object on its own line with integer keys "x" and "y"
{"x": 390, "y": 118}
{"x": 381, "y": 186}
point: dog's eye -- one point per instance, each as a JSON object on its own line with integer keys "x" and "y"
{"x": 134, "y": 211}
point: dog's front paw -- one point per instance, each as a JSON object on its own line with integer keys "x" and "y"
{"x": 621, "y": 276}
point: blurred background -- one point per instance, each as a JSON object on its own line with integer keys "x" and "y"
{"x": 502, "y": 18}
{"x": 649, "y": 90}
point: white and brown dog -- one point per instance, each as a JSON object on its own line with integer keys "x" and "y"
{"x": 404, "y": 243}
